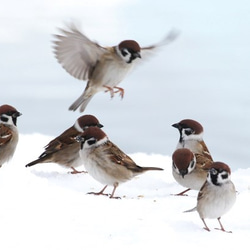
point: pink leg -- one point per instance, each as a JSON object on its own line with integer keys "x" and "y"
{"x": 120, "y": 90}
{"x": 183, "y": 193}
{"x": 222, "y": 228}
{"x": 77, "y": 172}
{"x": 99, "y": 193}
{"x": 111, "y": 90}
{"x": 206, "y": 227}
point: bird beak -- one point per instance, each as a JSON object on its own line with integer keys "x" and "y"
{"x": 137, "y": 54}
{"x": 176, "y": 125}
{"x": 79, "y": 138}
{"x": 99, "y": 125}
{"x": 16, "y": 114}
{"x": 183, "y": 172}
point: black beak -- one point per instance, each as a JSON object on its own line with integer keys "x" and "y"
{"x": 176, "y": 125}
{"x": 183, "y": 172}
{"x": 16, "y": 114}
{"x": 137, "y": 54}
{"x": 99, "y": 125}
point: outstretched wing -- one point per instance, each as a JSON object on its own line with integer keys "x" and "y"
{"x": 76, "y": 53}
{"x": 152, "y": 49}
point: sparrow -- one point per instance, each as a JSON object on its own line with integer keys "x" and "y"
{"x": 64, "y": 150}
{"x": 8, "y": 132}
{"x": 189, "y": 169}
{"x": 105, "y": 162}
{"x": 217, "y": 196}
{"x": 191, "y": 137}
{"x": 102, "y": 67}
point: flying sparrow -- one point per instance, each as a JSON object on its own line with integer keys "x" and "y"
{"x": 191, "y": 137}
{"x": 8, "y": 132}
{"x": 217, "y": 195}
{"x": 64, "y": 150}
{"x": 189, "y": 169}
{"x": 103, "y": 67}
{"x": 105, "y": 162}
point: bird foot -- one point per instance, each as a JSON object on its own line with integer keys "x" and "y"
{"x": 77, "y": 172}
{"x": 120, "y": 90}
{"x": 223, "y": 230}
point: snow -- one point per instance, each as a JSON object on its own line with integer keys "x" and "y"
{"x": 45, "y": 207}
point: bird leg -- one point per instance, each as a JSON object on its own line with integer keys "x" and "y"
{"x": 119, "y": 90}
{"x": 99, "y": 193}
{"x": 77, "y": 172}
{"x": 221, "y": 227}
{"x": 182, "y": 193}
{"x": 113, "y": 192}
{"x": 111, "y": 90}
{"x": 206, "y": 227}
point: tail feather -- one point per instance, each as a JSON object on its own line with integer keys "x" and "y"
{"x": 191, "y": 210}
{"x": 42, "y": 159}
{"x": 144, "y": 169}
{"x": 82, "y": 101}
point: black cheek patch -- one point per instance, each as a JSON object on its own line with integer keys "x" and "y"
{"x": 224, "y": 176}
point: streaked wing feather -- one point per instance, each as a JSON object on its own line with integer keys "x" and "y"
{"x": 76, "y": 53}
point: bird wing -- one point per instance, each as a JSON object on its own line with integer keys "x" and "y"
{"x": 76, "y": 53}
{"x": 5, "y": 134}
{"x": 150, "y": 50}
{"x": 203, "y": 162}
{"x": 64, "y": 140}
{"x": 119, "y": 157}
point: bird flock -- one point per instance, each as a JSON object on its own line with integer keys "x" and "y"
{"x": 85, "y": 143}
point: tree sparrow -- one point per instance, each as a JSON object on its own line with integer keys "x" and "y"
{"x": 103, "y": 67}
{"x": 64, "y": 150}
{"x": 217, "y": 195}
{"x": 8, "y": 132}
{"x": 191, "y": 137}
{"x": 189, "y": 169}
{"x": 105, "y": 162}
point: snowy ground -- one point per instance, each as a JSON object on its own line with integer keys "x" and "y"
{"x": 44, "y": 207}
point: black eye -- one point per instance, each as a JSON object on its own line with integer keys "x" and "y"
{"x": 124, "y": 52}
{"x": 224, "y": 176}
{"x": 4, "y": 119}
{"x": 188, "y": 131}
{"x": 91, "y": 141}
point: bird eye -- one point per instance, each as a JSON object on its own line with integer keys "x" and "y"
{"x": 124, "y": 52}
{"x": 189, "y": 131}
{"x": 91, "y": 141}
{"x": 4, "y": 119}
{"x": 213, "y": 171}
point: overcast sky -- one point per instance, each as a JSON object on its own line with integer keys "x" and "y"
{"x": 203, "y": 75}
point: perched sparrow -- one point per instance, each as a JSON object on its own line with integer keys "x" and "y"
{"x": 217, "y": 195}
{"x": 105, "y": 162}
{"x": 191, "y": 137}
{"x": 103, "y": 67}
{"x": 64, "y": 150}
{"x": 8, "y": 132}
{"x": 189, "y": 169}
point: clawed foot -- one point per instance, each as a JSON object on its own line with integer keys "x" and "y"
{"x": 112, "y": 92}
{"x": 223, "y": 230}
{"x": 77, "y": 172}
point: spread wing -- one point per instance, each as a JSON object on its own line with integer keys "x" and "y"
{"x": 76, "y": 53}
{"x": 152, "y": 49}
{"x": 5, "y": 134}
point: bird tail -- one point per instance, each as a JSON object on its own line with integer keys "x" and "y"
{"x": 144, "y": 169}
{"x": 43, "y": 158}
{"x": 191, "y": 210}
{"x": 83, "y": 100}
{"x": 33, "y": 163}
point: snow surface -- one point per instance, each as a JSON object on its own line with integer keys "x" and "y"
{"x": 45, "y": 207}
